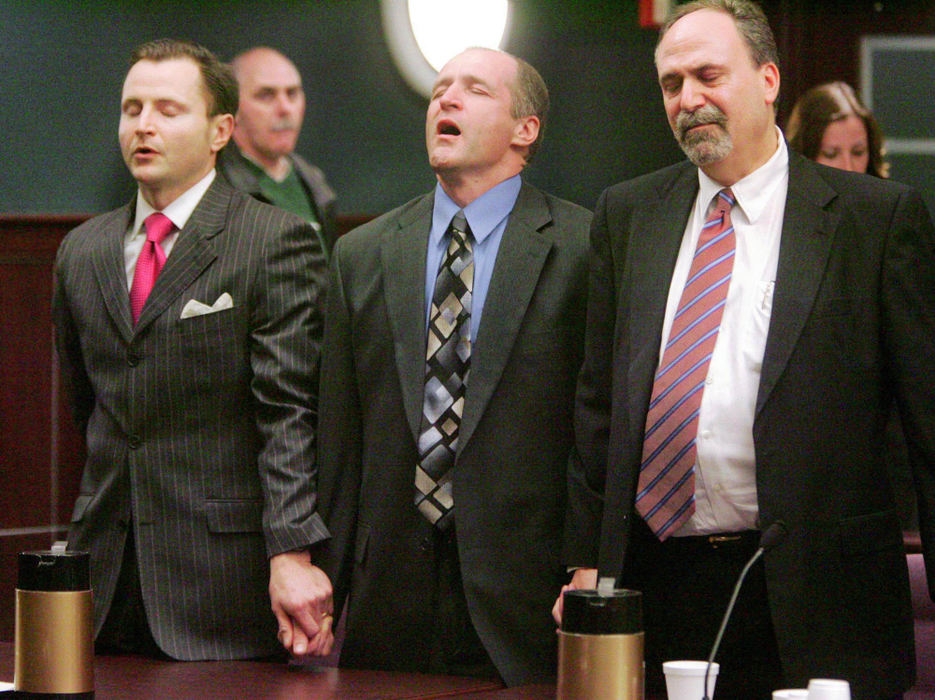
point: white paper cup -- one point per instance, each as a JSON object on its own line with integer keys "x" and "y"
{"x": 828, "y": 689}
{"x": 685, "y": 679}
{"x": 790, "y": 694}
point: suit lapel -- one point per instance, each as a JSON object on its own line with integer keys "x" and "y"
{"x": 523, "y": 251}
{"x": 402, "y": 253}
{"x": 807, "y": 234}
{"x": 110, "y": 269}
{"x": 655, "y": 238}
{"x": 192, "y": 253}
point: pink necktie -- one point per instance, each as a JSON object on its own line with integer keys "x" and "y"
{"x": 666, "y": 488}
{"x": 150, "y": 262}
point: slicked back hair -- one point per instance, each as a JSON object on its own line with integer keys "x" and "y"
{"x": 218, "y": 81}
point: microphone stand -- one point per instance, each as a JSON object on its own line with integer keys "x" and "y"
{"x": 772, "y": 536}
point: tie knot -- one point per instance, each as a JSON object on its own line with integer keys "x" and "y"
{"x": 725, "y": 200}
{"x": 459, "y": 225}
{"x": 157, "y": 226}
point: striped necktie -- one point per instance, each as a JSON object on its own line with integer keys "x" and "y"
{"x": 447, "y": 366}
{"x": 666, "y": 488}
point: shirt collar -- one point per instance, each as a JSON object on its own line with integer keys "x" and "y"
{"x": 754, "y": 191}
{"x": 483, "y": 215}
{"x": 181, "y": 208}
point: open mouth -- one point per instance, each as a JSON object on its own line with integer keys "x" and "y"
{"x": 144, "y": 151}
{"x": 448, "y": 128}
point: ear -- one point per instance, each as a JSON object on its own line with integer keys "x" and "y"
{"x": 222, "y": 126}
{"x": 770, "y": 73}
{"x": 526, "y": 131}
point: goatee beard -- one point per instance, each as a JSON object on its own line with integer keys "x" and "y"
{"x": 708, "y": 145}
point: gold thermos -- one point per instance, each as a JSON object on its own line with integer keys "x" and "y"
{"x": 54, "y": 629}
{"x": 600, "y": 646}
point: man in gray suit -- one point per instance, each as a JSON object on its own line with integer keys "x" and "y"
{"x": 454, "y": 334}
{"x": 261, "y": 158}
{"x": 188, "y": 322}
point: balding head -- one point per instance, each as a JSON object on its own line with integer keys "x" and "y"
{"x": 272, "y": 105}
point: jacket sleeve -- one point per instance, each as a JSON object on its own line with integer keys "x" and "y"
{"x": 588, "y": 462}
{"x": 339, "y": 448}
{"x": 908, "y": 288}
{"x": 285, "y": 343}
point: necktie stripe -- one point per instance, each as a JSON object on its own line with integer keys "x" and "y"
{"x": 698, "y": 343}
{"x": 711, "y": 314}
{"x": 666, "y": 484}
{"x": 713, "y": 265}
{"x": 670, "y": 447}
{"x": 670, "y": 410}
{"x": 670, "y": 525}
{"x": 669, "y": 492}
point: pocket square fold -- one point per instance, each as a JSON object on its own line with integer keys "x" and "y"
{"x": 196, "y": 308}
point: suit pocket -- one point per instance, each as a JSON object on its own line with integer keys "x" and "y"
{"x": 81, "y": 505}
{"x": 240, "y": 515}
{"x": 207, "y": 321}
{"x": 874, "y": 532}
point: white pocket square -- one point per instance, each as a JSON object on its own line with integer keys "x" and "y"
{"x": 196, "y": 308}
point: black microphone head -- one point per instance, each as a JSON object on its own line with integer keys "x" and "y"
{"x": 773, "y": 535}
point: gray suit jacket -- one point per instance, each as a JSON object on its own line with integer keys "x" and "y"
{"x": 509, "y": 489}
{"x": 240, "y": 173}
{"x": 851, "y": 328}
{"x": 199, "y": 430}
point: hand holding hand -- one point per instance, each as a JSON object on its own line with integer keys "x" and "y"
{"x": 300, "y": 594}
{"x": 582, "y": 578}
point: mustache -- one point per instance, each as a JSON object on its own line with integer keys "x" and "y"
{"x": 709, "y": 114}
{"x": 285, "y": 125}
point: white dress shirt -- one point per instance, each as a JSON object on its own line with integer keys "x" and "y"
{"x": 179, "y": 211}
{"x": 725, "y": 470}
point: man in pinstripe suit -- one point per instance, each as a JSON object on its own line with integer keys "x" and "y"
{"x": 197, "y": 400}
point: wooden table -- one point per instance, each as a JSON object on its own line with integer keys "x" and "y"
{"x": 143, "y": 678}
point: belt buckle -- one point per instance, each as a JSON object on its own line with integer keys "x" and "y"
{"x": 719, "y": 540}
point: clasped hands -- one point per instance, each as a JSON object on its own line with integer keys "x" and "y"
{"x": 300, "y": 595}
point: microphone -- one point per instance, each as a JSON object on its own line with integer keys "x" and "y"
{"x": 771, "y": 537}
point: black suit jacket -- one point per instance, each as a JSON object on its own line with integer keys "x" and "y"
{"x": 199, "y": 430}
{"x": 239, "y": 172}
{"x": 852, "y": 326}
{"x": 515, "y": 436}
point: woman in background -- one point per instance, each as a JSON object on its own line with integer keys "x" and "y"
{"x": 830, "y": 126}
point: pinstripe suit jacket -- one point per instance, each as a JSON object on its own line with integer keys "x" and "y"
{"x": 200, "y": 431}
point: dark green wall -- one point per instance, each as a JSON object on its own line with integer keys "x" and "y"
{"x": 62, "y": 66}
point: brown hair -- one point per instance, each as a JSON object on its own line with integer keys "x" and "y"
{"x": 218, "y": 79}
{"x": 827, "y": 103}
{"x": 530, "y": 97}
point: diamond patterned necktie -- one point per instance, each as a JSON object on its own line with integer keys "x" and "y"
{"x": 447, "y": 365}
{"x": 666, "y": 488}
{"x": 150, "y": 262}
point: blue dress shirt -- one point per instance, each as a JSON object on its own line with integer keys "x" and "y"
{"x": 487, "y": 216}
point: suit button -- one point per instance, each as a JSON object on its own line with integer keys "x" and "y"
{"x": 425, "y": 545}
{"x": 134, "y": 441}
{"x": 133, "y": 359}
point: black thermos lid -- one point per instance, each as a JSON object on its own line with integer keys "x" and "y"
{"x": 587, "y": 612}
{"x": 54, "y": 571}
